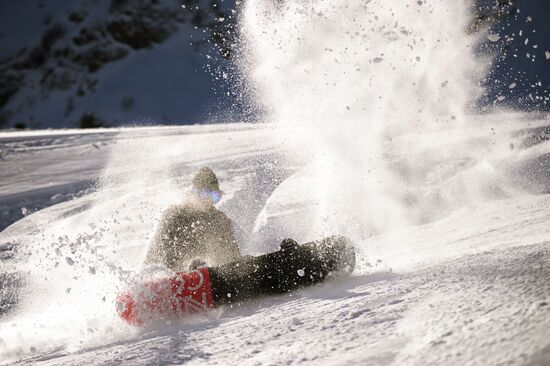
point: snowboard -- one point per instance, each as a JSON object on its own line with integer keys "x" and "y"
{"x": 292, "y": 267}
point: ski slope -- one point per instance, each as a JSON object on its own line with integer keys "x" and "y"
{"x": 465, "y": 285}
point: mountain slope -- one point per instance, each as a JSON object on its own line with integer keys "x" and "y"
{"x": 92, "y": 64}
{"x": 466, "y": 288}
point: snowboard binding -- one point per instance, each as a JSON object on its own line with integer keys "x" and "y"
{"x": 288, "y": 244}
{"x": 197, "y": 263}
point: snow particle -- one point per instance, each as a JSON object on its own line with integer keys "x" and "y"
{"x": 493, "y": 37}
{"x": 512, "y": 86}
{"x": 377, "y": 60}
{"x": 301, "y": 273}
{"x": 229, "y": 295}
{"x": 500, "y": 98}
{"x": 547, "y": 54}
{"x": 69, "y": 261}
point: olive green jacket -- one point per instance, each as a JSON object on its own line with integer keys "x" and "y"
{"x": 190, "y": 231}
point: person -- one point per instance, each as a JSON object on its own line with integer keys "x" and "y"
{"x": 195, "y": 233}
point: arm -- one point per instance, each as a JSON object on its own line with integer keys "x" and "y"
{"x": 158, "y": 252}
{"x": 229, "y": 242}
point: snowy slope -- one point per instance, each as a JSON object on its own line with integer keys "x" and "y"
{"x": 466, "y": 286}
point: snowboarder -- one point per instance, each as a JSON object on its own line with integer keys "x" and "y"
{"x": 195, "y": 233}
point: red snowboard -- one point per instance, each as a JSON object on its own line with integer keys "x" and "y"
{"x": 167, "y": 298}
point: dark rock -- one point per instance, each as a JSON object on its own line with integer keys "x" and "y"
{"x": 94, "y": 58}
{"x": 76, "y": 17}
{"x": 9, "y": 85}
{"x": 90, "y": 120}
{"x": 52, "y": 35}
{"x": 136, "y": 33}
{"x": 86, "y": 36}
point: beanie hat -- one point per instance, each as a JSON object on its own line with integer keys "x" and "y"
{"x": 206, "y": 180}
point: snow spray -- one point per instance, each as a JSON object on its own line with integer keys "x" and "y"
{"x": 80, "y": 254}
{"x": 379, "y": 93}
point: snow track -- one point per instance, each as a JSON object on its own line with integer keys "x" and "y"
{"x": 470, "y": 288}
{"x": 485, "y": 309}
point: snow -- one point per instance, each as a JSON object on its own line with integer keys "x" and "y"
{"x": 466, "y": 288}
{"x": 448, "y": 209}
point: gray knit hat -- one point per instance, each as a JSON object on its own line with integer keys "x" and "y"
{"x": 206, "y": 180}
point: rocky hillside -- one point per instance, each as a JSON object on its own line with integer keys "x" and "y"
{"x": 90, "y": 63}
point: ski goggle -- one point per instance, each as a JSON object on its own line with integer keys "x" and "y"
{"x": 213, "y": 196}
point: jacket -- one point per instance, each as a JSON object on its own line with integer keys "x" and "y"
{"x": 189, "y": 231}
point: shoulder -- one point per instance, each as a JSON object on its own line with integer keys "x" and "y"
{"x": 222, "y": 218}
{"x": 175, "y": 211}
{"x": 171, "y": 211}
